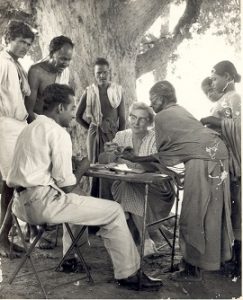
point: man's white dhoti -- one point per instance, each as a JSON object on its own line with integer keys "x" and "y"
{"x": 10, "y": 129}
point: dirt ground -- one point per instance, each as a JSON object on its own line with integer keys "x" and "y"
{"x": 70, "y": 286}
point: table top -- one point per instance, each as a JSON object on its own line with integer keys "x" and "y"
{"x": 127, "y": 176}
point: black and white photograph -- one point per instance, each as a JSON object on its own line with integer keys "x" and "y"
{"x": 120, "y": 149}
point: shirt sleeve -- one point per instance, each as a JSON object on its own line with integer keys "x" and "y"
{"x": 10, "y": 91}
{"x": 61, "y": 155}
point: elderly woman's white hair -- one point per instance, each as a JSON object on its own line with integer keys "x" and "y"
{"x": 143, "y": 106}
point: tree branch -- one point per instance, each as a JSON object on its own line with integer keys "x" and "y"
{"x": 190, "y": 16}
{"x": 148, "y": 61}
{"x": 137, "y": 16}
{"x": 164, "y": 47}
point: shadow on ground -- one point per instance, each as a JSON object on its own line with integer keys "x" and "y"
{"x": 69, "y": 286}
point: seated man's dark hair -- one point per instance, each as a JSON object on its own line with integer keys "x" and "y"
{"x": 58, "y": 42}
{"x": 55, "y": 94}
{"x": 18, "y": 29}
{"x": 100, "y": 61}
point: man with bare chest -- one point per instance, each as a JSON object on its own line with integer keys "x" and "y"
{"x": 101, "y": 110}
{"x": 53, "y": 69}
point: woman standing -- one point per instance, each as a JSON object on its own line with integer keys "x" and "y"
{"x": 226, "y": 119}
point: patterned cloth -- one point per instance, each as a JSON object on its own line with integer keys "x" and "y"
{"x": 148, "y": 146}
{"x": 206, "y": 234}
{"x": 228, "y": 109}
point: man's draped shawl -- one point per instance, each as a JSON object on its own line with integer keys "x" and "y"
{"x": 101, "y": 129}
{"x": 180, "y": 138}
{"x": 93, "y": 105}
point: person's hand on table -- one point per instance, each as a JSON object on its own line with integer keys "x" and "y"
{"x": 128, "y": 154}
{"x": 110, "y": 147}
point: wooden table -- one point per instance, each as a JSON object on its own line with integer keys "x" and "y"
{"x": 146, "y": 179}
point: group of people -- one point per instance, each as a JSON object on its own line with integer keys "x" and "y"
{"x": 36, "y": 159}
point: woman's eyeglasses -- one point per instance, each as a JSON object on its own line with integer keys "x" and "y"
{"x": 140, "y": 121}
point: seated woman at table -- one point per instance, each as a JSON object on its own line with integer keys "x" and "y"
{"x": 131, "y": 195}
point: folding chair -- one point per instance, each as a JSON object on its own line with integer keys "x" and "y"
{"x": 29, "y": 250}
{"x": 177, "y": 186}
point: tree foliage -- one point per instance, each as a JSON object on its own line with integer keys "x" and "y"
{"x": 118, "y": 30}
{"x": 221, "y": 17}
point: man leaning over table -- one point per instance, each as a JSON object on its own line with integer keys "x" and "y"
{"x": 43, "y": 177}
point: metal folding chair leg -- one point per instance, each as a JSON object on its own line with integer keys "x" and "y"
{"x": 165, "y": 237}
{"x": 175, "y": 229}
{"x": 27, "y": 255}
{"x": 74, "y": 246}
{"x": 176, "y": 190}
{"x": 56, "y": 238}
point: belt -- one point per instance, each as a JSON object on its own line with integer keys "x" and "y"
{"x": 20, "y": 189}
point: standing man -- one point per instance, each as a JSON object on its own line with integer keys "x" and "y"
{"x": 13, "y": 114}
{"x": 53, "y": 69}
{"x": 101, "y": 111}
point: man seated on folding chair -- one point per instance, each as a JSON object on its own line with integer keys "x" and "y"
{"x": 43, "y": 177}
